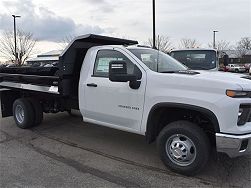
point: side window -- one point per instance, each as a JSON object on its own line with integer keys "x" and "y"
{"x": 104, "y": 57}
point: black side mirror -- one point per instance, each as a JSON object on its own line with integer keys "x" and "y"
{"x": 225, "y": 60}
{"x": 118, "y": 72}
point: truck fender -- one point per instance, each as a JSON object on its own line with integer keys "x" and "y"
{"x": 151, "y": 132}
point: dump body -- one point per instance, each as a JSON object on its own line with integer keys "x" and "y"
{"x": 62, "y": 79}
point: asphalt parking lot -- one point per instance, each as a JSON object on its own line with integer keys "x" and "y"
{"x": 65, "y": 152}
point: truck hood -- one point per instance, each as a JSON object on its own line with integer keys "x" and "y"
{"x": 242, "y": 80}
{"x": 207, "y": 81}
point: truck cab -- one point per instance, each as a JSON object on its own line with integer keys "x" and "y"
{"x": 197, "y": 59}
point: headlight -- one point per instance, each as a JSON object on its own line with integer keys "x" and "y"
{"x": 238, "y": 94}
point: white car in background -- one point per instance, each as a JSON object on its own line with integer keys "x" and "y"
{"x": 236, "y": 68}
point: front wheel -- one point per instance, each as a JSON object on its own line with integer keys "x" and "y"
{"x": 183, "y": 147}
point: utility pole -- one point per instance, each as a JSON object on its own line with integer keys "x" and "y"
{"x": 214, "y": 38}
{"x": 15, "y": 35}
{"x": 154, "y": 45}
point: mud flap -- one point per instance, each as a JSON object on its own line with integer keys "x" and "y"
{"x": 7, "y": 98}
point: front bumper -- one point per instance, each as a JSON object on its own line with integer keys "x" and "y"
{"x": 233, "y": 145}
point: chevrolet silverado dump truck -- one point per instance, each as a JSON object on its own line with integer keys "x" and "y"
{"x": 115, "y": 83}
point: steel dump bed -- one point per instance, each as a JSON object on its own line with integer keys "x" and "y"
{"x": 64, "y": 78}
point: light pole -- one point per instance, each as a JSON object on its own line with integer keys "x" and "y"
{"x": 154, "y": 46}
{"x": 15, "y": 35}
{"x": 214, "y": 39}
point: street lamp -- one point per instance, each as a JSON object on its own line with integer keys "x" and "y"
{"x": 214, "y": 39}
{"x": 15, "y": 37}
{"x": 154, "y": 46}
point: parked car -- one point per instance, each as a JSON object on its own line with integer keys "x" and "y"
{"x": 249, "y": 70}
{"x": 54, "y": 64}
{"x": 11, "y": 65}
{"x": 3, "y": 65}
{"x": 236, "y": 68}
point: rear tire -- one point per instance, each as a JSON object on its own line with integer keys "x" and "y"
{"x": 38, "y": 110}
{"x": 183, "y": 147}
{"x": 23, "y": 113}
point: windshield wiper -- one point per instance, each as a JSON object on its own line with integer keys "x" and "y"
{"x": 169, "y": 72}
{"x": 198, "y": 68}
{"x": 189, "y": 72}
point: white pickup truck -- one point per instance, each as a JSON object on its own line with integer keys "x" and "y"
{"x": 236, "y": 68}
{"x": 116, "y": 84}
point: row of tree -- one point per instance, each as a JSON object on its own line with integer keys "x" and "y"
{"x": 164, "y": 44}
{"x": 26, "y": 43}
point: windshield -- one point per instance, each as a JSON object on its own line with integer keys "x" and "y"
{"x": 158, "y": 61}
{"x": 196, "y": 59}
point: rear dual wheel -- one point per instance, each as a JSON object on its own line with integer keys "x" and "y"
{"x": 38, "y": 110}
{"x": 27, "y": 112}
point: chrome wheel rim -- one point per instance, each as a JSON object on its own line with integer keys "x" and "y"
{"x": 19, "y": 113}
{"x": 180, "y": 150}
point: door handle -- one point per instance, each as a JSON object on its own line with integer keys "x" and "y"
{"x": 92, "y": 85}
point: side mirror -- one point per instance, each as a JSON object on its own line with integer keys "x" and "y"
{"x": 225, "y": 60}
{"x": 118, "y": 72}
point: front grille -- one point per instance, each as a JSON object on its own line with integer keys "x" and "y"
{"x": 249, "y": 115}
{"x": 246, "y": 114}
{"x": 249, "y": 120}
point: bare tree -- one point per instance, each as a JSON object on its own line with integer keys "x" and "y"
{"x": 243, "y": 46}
{"x": 245, "y": 43}
{"x": 25, "y": 46}
{"x": 65, "y": 41}
{"x": 189, "y": 43}
{"x": 163, "y": 43}
{"x": 221, "y": 46}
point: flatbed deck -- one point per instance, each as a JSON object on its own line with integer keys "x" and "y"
{"x": 47, "y": 84}
{"x": 39, "y": 71}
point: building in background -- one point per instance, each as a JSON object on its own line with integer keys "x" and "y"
{"x": 45, "y": 58}
{"x": 234, "y": 58}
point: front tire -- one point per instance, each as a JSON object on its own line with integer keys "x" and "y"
{"x": 183, "y": 147}
{"x": 23, "y": 113}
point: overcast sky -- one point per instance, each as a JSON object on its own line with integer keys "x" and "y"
{"x": 52, "y": 20}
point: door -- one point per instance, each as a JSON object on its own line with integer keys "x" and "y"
{"x": 113, "y": 104}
